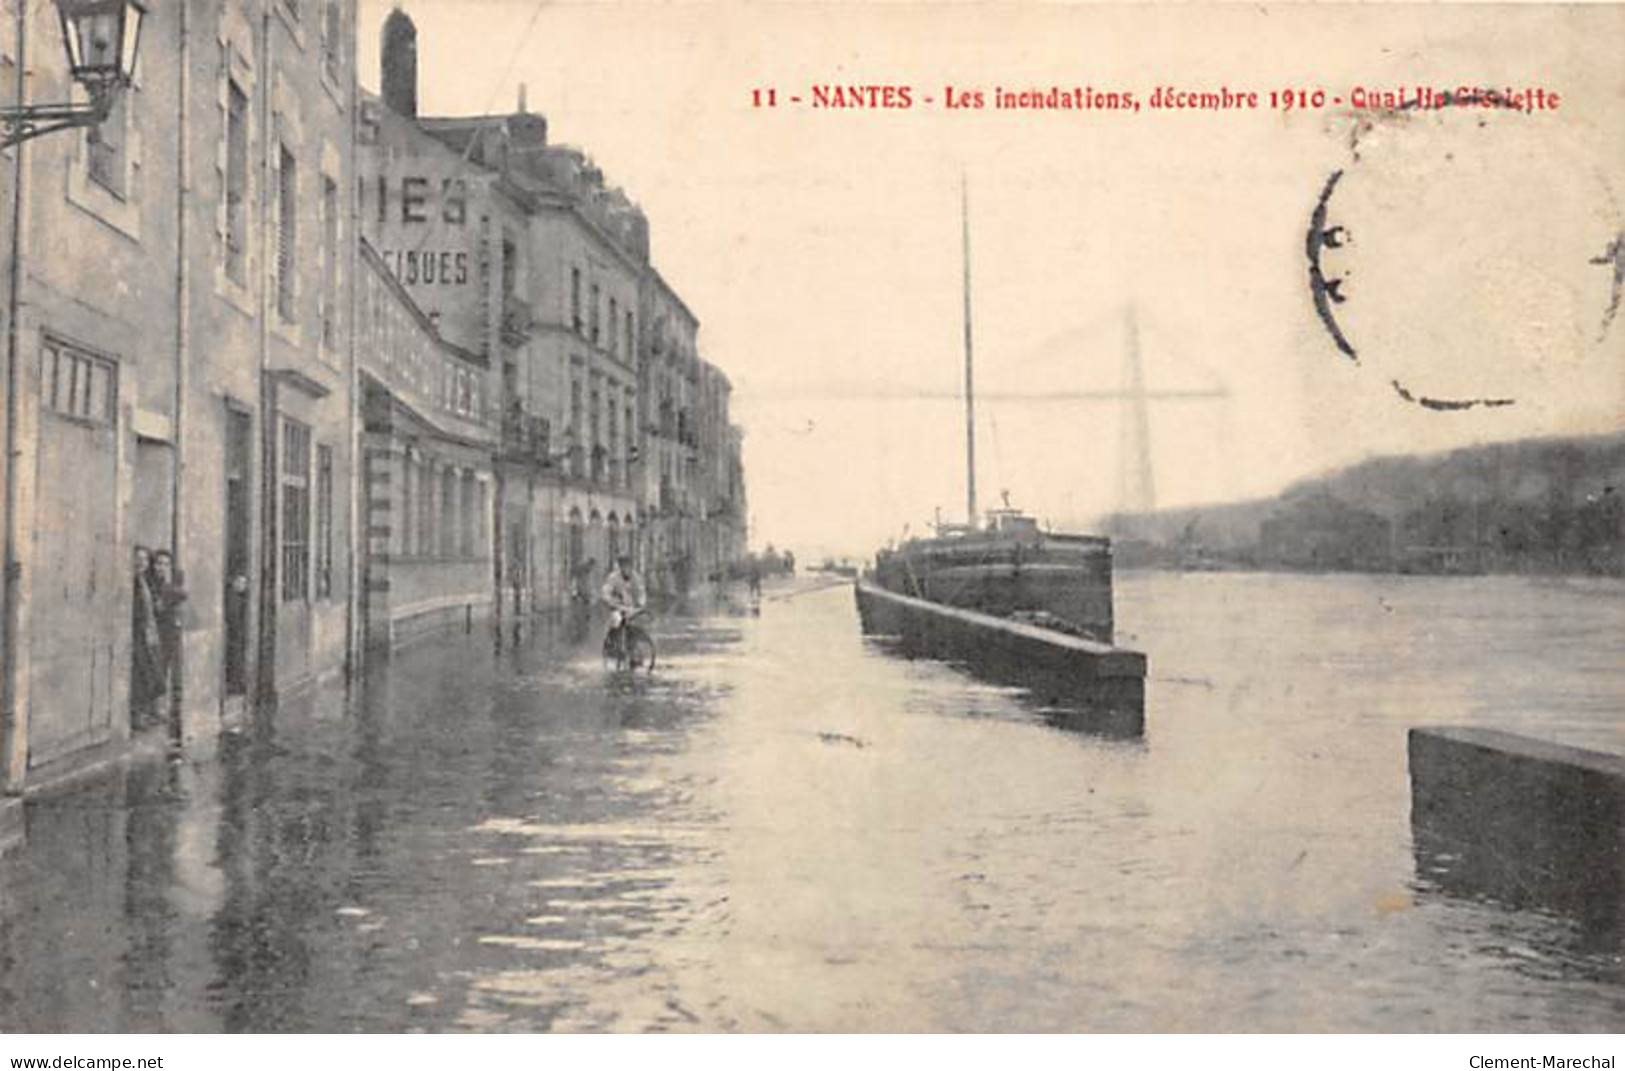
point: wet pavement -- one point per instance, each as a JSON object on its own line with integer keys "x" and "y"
{"x": 787, "y": 827}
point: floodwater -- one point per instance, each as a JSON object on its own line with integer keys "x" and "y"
{"x": 787, "y": 827}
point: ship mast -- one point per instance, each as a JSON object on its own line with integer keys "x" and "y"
{"x": 970, "y": 393}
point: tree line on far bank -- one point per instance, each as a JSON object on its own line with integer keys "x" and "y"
{"x": 1533, "y": 506}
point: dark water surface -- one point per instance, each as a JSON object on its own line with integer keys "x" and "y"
{"x": 786, "y": 828}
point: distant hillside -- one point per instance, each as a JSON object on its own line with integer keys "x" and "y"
{"x": 1537, "y": 505}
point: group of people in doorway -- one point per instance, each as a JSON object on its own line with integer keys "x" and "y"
{"x": 155, "y": 629}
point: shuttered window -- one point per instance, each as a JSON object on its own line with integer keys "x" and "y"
{"x": 330, "y": 262}
{"x": 236, "y": 182}
{"x": 287, "y": 235}
{"x": 324, "y": 522}
{"x": 295, "y": 510}
{"x": 332, "y": 39}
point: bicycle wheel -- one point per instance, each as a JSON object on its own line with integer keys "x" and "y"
{"x": 640, "y": 649}
{"x": 614, "y": 654}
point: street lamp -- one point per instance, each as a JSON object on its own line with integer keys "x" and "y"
{"x": 101, "y": 38}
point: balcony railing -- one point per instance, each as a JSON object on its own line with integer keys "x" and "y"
{"x": 518, "y": 320}
{"x": 525, "y": 436}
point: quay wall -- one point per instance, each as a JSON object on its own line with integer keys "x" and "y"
{"x": 1521, "y": 821}
{"x": 1102, "y": 687}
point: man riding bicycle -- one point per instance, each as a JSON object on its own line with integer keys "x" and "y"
{"x": 622, "y": 592}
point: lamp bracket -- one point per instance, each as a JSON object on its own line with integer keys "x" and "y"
{"x": 19, "y": 124}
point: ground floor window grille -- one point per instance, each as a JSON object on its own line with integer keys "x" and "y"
{"x": 76, "y": 384}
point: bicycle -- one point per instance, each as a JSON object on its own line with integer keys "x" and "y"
{"x": 629, "y": 647}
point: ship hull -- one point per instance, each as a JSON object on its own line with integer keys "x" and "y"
{"x": 1094, "y": 686}
{"x": 1064, "y": 578}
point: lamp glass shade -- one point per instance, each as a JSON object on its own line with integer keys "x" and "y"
{"x": 102, "y": 39}
{"x": 132, "y": 39}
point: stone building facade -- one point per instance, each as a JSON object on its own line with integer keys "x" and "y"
{"x": 670, "y": 372}
{"x": 364, "y": 374}
{"x": 430, "y": 435}
{"x": 180, "y": 347}
{"x": 605, "y": 448}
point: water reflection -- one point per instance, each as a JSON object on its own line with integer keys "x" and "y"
{"x": 1584, "y": 889}
{"x": 1093, "y": 710}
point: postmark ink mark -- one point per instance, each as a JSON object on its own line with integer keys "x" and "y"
{"x": 1613, "y": 254}
{"x": 1326, "y": 292}
{"x": 1449, "y": 405}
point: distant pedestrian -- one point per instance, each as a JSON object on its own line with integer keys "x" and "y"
{"x": 146, "y": 680}
{"x": 168, "y": 593}
{"x": 583, "y": 581}
{"x": 236, "y": 607}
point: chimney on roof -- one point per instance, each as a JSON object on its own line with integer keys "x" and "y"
{"x": 400, "y": 64}
{"x": 522, "y": 108}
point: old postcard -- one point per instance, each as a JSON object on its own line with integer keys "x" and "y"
{"x": 812, "y": 517}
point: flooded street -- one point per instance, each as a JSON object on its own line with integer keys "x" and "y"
{"x": 787, "y": 828}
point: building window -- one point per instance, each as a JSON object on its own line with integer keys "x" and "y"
{"x": 332, "y": 36}
{"x": 330, "y": 262}
{"x": 448, "y": 512}
{"x": 425, "y": 541}
{"x": 407, "y": 517}
{"x": 575, "y": 300}
{"x": 467, "y": 517}
{"x": 595, "y": 403}
{"x": 106, "y": 147}
{"x": 324, "y": 522}
{"x": 575, "y": 427}
{"x": 287, "y": 234}
{"x": 295, "y": 510}
{"x": 631, "y": 349}
{"x": 236, "y": 181}
{"x": 481, "y": 535}
{"x": 631, "y": 446}
{"x": 614, "y": 318}
{"x": 612, "y": 416}
{"x": 592, "y": 311}
{"x": 76, "y": 384}
{"x": 510, "y": 266}
{"x": 465, "y": 394}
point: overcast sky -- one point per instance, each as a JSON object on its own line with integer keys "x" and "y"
{"x": 821, "y": 249}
